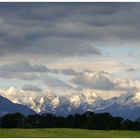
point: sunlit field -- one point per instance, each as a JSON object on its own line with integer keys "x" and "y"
{"x": 67, "y": 133}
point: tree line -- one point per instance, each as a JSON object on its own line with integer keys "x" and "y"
{"x": 88, "y": 120}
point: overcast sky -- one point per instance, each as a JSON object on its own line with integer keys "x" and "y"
{"x": 70, "y": 46}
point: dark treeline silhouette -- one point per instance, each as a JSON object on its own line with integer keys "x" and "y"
{"x": 88, "y": 120}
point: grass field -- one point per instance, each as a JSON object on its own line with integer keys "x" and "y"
{"x": 66, "y": 133}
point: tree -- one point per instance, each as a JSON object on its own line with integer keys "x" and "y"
{"x": 12, "y": 121}
{"x": 32, "y": 121}
{"x": 88, "y": 120}
{"x": 130, "y": 125}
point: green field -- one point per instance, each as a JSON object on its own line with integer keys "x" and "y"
{"x": 66, "y": 133}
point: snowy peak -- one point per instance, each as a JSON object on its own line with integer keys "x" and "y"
{"x": 75, "y": 100}
{"x": 89, "y": 94}
{"x": 128, "y": 99}
{"x": 136, "y": 98}
{"x": 11, "y": 90}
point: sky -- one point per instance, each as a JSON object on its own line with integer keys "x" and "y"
{"x": 70, "y": 47}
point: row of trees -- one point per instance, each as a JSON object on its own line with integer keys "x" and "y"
{"x": 88, "y": 120}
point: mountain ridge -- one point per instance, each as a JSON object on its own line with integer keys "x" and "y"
{"x": 7, "y": 106}
{"x": 126, "y": 105}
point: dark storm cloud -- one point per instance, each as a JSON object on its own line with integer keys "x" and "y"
{"x": 66, "y": 28}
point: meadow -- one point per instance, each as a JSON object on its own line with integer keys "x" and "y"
{"x": 67, "y": 133}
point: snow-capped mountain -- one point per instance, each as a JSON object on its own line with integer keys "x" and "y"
{"x": 56, "y": 104}
{"x": 126, "y": 105}
{"x": 6, "y": 106}
{"x": 63, "y": 105}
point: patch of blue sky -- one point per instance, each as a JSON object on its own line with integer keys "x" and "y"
{"x": 122, "y": 54}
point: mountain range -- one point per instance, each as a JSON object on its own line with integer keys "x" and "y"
{"x": 126, "y": 105}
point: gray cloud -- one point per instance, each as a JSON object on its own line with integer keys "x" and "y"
{"x": 24, "y": 66}
{"x": 104, "y": 81}
{"x": 55, "y": 82}
{"x": 69, "y": 71}
{"x": 99, "y": 81}
{"x": 22, "y": 70}
{"x": 26, "y": 71}
{"x": 31, "y": 88}
{"x": 34, "y": 29}
{"x": 21, "y": 76}
{"x": 66, "y": 28}
{"x": 53, "y": 30}
{"x": 131, "y": 69}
